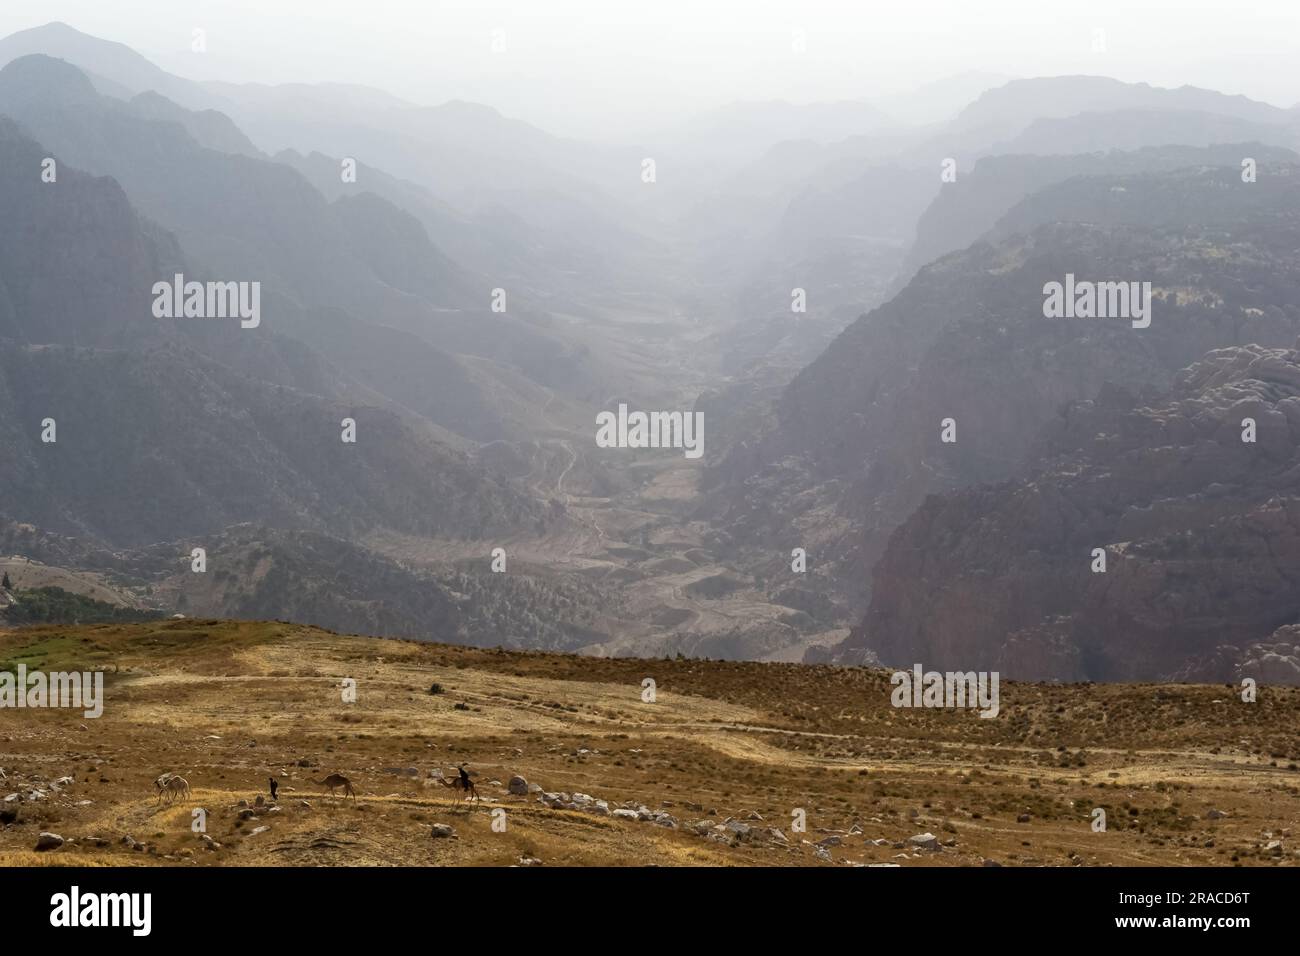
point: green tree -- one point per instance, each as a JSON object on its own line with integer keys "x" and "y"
{"x": 5, "y": 583}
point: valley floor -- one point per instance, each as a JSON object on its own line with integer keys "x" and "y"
{"x": 713, "y": 771}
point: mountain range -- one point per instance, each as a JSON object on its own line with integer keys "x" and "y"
{"x": 852, "y": 295}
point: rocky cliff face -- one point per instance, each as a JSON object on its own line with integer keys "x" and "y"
{"x": 856, "y": 443}
{"x": 1200, "y": 532}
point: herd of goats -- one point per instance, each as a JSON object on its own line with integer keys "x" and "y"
{"x": 171, "y": 786}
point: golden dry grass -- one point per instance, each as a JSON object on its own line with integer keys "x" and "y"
{"x": 227, "y": 704}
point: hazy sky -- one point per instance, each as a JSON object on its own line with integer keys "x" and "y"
{"x": 587, "y": 66}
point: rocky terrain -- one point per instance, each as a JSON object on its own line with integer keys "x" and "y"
{"x": 854, "y": 444}
{"x": 1201, "y": 531}
{"x": 575, "y": 764}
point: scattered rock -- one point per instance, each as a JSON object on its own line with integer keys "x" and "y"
{"x": 925, "y": 841}
{"x": 518, "y": 786}
{"x": 442, "y": 831}
{"x": 739, "y": 832}
{"x": 48, "y": 841}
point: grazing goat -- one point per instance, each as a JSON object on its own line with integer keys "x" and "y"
{"x": 176, "y": 786}
{"x": 160, "y": 784}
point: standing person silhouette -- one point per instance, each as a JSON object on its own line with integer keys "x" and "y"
{"x": 464, "y": 778}
{"x": 274, "y": 787}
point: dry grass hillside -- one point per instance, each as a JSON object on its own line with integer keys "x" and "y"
{"x": 709, "y": 773}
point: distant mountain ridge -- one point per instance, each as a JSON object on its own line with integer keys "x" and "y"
{"x": 1016, "y": 104}
{"x": 965, "y": 210}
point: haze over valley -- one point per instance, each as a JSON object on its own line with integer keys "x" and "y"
{"x": 992, "y": 368}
